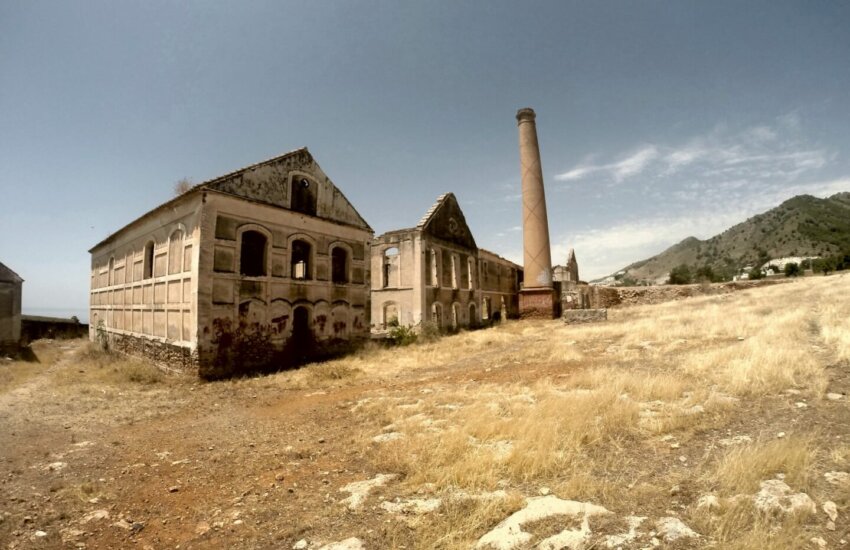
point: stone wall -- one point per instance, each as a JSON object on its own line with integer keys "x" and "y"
{"x": 164, "y": 355}
{"x": 577, "y": 316}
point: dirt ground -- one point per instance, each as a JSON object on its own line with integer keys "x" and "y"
{"x": 91, "y": 457}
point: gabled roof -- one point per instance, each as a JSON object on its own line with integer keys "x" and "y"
{"x": 445, "y": 220}
{"x": 218, "y": 184}
{"x": 9, "y": 276}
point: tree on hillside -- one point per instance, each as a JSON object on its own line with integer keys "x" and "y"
{"x": 705, "y": 275}
{"x": 792, "y": 269}
{"x": 680, "y": 275}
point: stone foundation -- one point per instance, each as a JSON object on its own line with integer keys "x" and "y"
{"x": 576, "y": 316}
{"x": 164, "y": 355}
{"x": 537, "y": 303}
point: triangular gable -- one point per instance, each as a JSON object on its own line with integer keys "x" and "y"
{"x": 445, "y": 220}
{"x": 269, "y": 182}
{"x": 9, "y": 276}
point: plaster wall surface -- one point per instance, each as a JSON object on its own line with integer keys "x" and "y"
{"x": 10, "y": 313}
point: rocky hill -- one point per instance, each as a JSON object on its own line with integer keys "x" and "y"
{"x": 801, "y": 226}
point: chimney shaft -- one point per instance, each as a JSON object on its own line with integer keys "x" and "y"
{"x": 535, "y": 223}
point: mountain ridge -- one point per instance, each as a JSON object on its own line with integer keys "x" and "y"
{"x": 803, "y": 225}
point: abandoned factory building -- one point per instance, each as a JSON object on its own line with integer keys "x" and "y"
{"x": 257, "y": 268}
{"x": 435, "y": 272}
{"x": 10, "y": 309}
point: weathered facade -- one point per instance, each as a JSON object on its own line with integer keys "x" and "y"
{"x": 259, "y": 268}
{"x": 435, "y": 272}
{"x": 10, "y": 309}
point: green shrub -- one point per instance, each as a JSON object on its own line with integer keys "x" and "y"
{"x": 401, "y": 335}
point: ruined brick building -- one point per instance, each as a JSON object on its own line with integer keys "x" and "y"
{"x": 10, "y": 309}
{"x": 436, "y": 272}
{"x": 262, "y": 266}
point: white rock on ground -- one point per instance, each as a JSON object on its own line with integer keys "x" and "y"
{"x": 837, "y": 478}
{"x": 834, "y": 396}
{"x": 672, "y": 529}
{"x": 737, "y": 440}
{"x": 352, "y": 543}
{"x": 391, "y": 436}
{"x": 360, "y": 489}
{"x": 708, "y": 502}
{"x": 97, "y": 514}
{"x": 776, "y": 496}
{"x": 509, "y": 534}
{"x": 412, "y": 506}
{"x": 830, "y": 509}
{"x": 613, "y": 541}
{"x": 300, "y": 545}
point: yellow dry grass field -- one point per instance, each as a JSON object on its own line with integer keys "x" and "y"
{"x": 713, "y": 422}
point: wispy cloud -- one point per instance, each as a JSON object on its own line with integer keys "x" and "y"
{"x": 631, "y": 165}
{"x": 757, "y": 152}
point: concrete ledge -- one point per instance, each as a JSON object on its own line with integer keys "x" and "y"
{"x": 576, "y": 316}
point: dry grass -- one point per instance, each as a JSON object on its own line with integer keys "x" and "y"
{"x": 742, "y": 468}
{"x": 41, "y": 356}
{"x": 97, "y": 366}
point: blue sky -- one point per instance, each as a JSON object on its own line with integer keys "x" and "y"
{"x": 657, "y": 120}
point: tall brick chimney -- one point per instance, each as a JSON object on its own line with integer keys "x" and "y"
{"x": 537, "y": 298}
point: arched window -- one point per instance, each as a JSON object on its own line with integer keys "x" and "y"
{"x": 300, "y": 260}
{"x": 454, "y": 271}
{"x": 175, "y": 252}
{"x": 431, "y": 267}
{"x": 455, "y": 315}
{"x": 473, "y": 317}
{"x": 304, "y": 195}
{"x": 390, "y": 314}
{"x": 148, "y": 262}
{"x": 470, "y": 270}
{"x": 252, "y": 259}
{"x": 437, "y": 313}
{"x": 339, "y": 265}
{"x": 485, "y": 309}
{"x": 390, "y": 268}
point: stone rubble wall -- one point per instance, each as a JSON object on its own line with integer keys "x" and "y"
{"x": 577, "y": 316}
{"x": 169, "y": 357}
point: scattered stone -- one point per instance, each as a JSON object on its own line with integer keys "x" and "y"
{"x": 56, "y": 466}
{"x": 40, "y": 534}
{"x": 837, "y": 478}
{"x": 683, "y": 459}
{"x": 736, "y": 440}
{"x": 545, "y": 491}
{"x": 95, "y": 515}
{"x": 834, "y": 396}
{"x": 615, "y": 541}
{"x": 792, "y": 391}
{"x": 352, "y": 543}
{"x": 173, "y": 489}
{"x": 820, "y": 542}
{"x": 675, "y": 490}
{"x": 672, "y": 529}
{"x": 391, "y": 436}
{"x": 202, "y": 528}
{"x": 830, "y": 509}
{"x": 300, "y": 545}
{"x": 360, "y": 489}
{"x": 412, "y": 506}
{"x": 238, "y": 522}
{"x": 708, "y": 502}
{"x": 780, "y": 435}
{"x": 123, "y": 524}
{"x": 830, "y": 526}
{"x": 801, "y": 405}
{"x": 508, "y": 534}
{"x": 776, "y": 496}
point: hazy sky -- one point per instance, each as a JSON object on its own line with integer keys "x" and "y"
{"x": 657, "y": 120}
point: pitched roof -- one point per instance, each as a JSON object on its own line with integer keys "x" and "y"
{"x": 433, "y": 210}
{"x": 9, "y": 276}
{"x": 209, "y": 185}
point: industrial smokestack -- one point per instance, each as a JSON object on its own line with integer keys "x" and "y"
{"x": 537, "y": 296}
